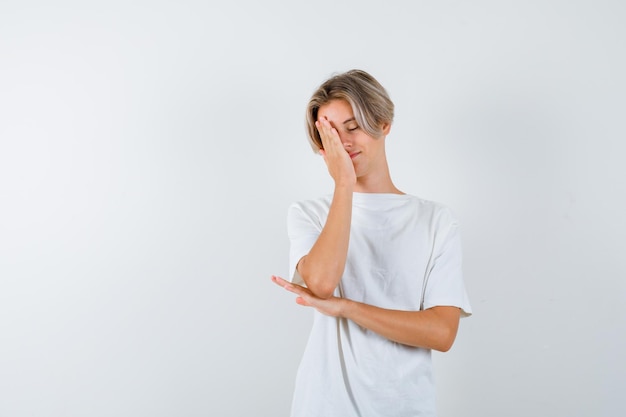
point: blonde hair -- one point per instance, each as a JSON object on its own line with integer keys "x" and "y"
{"x": 370, "y": 103}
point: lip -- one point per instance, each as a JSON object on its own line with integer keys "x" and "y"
{"x": 354, "y": 155}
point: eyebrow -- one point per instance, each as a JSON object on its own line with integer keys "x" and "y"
{"x": 349, "y": 120}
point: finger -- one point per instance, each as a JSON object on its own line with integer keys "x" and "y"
{"x": 296, "y": 289}
{"x": 327, "y": 132}
{"x": 301, "y": 301}
{"x": 279, "y": 281}
{"x": 322, "y": 129}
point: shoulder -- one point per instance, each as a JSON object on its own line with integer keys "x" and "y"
{"x": 316, "y": 205}
{"x": 313, "y": 211}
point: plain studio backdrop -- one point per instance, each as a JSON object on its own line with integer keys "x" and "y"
{"x": 149, "y": 151}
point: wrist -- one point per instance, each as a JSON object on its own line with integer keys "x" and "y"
{"x": 345, "y": 307}
{"x": 344, "y": 187}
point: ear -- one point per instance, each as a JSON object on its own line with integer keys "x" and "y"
{"x": 386, "y": 128}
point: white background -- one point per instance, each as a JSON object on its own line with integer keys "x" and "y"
{"x": 149, "y": 151}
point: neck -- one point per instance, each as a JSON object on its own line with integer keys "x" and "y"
{"x": 377, "y": 182}
{"x": 366, "y": 187}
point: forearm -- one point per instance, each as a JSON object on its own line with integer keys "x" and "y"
{"x": 434, "y": 328}
{"x": 322, "y": 268}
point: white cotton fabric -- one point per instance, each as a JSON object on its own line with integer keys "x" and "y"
{"x": 404, "y": 254}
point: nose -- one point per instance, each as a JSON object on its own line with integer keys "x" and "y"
{"x": 347, "y": 144}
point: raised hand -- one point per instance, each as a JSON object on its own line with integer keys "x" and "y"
{"x": 337, "y": 159}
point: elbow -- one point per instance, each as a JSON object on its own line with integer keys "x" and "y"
{"x": 320, "y": 289}
{"x": 444, "y": 327}
{"x": 318, "y": 282}
{"x": 443, "y": 347}
{"x": 445, "y": 340}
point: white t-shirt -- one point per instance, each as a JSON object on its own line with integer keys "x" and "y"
{"x": 404, "y": 254}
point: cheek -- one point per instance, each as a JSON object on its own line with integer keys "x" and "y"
{"x": 361, "y": 137}
{"x": 367, "y": 141}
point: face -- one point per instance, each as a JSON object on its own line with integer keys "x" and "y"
{"x": 367, "y": 153}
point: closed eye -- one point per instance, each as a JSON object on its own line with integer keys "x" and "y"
{"x": 351, "y": 125}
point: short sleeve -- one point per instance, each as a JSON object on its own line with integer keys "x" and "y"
{"x": 303, "y": 230}
{"x": 444, "y": 284}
